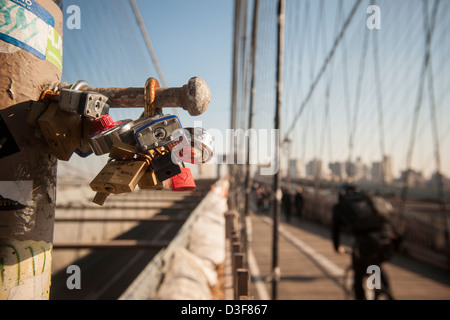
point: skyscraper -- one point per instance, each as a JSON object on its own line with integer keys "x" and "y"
{"x": 338, "y": 170}
{"x": 314, "y": 168}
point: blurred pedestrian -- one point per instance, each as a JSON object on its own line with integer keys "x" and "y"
{"x": 299, "y": 202}
{"x": 368, "y": 220}
{"x": 286, "y": 204}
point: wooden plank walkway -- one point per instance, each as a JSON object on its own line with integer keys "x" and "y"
{"x": 311, "y": 270}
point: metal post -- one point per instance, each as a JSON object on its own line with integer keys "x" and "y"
{"x": 232, "y": 168}
{"x": 28, "y": 168}
{"x": 243, "y": 279}
{"x": 276, "y": 181}
{"x": 248, "y": 179}
{"x": 242, "y": 192}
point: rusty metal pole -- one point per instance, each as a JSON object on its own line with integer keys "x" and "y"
{"x": 27, "y": 167}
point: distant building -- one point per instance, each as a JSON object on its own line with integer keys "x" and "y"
{"x": 387, "y": 169}
{"x": 338, "y": 170}
{"x": 415, "y": 179}
{"x": 382, "y": 171}
{"x": 296, "y": 168}
{"x": 350, "y": 169}
{"x": 314, "y": 169}
{"x": 359, "y": 170}
{"x": 377, "y": 172}
{"x": 433, "y": 182}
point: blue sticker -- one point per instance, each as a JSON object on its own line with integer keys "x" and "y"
{"x": 35, "y": 8}
{"x": 26, "y": 24}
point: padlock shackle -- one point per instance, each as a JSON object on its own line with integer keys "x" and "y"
{"x": 193, "y": 97}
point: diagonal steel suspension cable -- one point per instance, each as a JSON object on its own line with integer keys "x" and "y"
{"x": 148, "y": 42}
{"x": 324, "y": 66}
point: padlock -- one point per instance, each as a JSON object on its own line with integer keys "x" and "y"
{"x": 37, "y": 108}
{"x": 62, "y": 131}
{"x": 84, "y": 149}
{"x": 157, "y": 131}
{"x": 107, "y": 132}
{"x": 84, "y": 103}
{"x": 164, "y": 167}
{"x": 198, "y": 149}
{"x": 150, "y": 181}
{"x": 122, "y": 151}
{"x": 183, "y": 181}
{"x": 119, "y": 176}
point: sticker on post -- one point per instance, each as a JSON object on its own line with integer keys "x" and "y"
{"x": 26, "y": 25}
{"x": 15, "y": 195}
{"x": 54, "y": 48}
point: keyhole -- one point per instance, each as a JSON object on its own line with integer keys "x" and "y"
{"x": 159, "y": 133}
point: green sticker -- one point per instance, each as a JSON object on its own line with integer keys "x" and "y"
{"x": 54, "y": 48}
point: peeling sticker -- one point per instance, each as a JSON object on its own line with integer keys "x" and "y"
{"x": 15, "y": 195}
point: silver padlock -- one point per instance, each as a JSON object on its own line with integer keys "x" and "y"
{"x": 85, "y": 103}
{"x": 157, "y": 131}
{"x": 102, "y": 142}
{"x": 198, "y": 148}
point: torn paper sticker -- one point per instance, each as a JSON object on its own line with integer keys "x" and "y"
{"x": 15, "y": 195}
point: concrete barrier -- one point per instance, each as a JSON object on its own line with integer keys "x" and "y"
{"x": 197, "y": 249}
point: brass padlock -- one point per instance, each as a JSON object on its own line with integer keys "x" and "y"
{"x": 122, "y": 151}
{"x": 150, "y": 181}
{"x": 62, "y": 131}
{"x": 119, "y": 176}
{"x": 37, "y": 108}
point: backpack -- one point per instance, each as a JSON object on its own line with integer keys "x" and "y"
{"x": 369, "y": 219}
{"x": 362, "y": 214}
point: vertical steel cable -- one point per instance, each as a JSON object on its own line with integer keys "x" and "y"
{"x": 379, "y": 96}
{"x": 276, "y": 181}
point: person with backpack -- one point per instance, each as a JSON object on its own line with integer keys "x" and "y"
{"x": 367, "y": 219}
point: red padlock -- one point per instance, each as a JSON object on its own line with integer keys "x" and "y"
{"x": 183, "y": 181}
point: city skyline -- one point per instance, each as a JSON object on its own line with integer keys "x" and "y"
{"x": 356, "y": 171}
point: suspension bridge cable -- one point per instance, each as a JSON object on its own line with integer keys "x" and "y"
{"x": 148, "y": 42}
{"x": 325, "y": 65}
{"x": 377, "y": 68}
{"x": 429, "y": 29}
